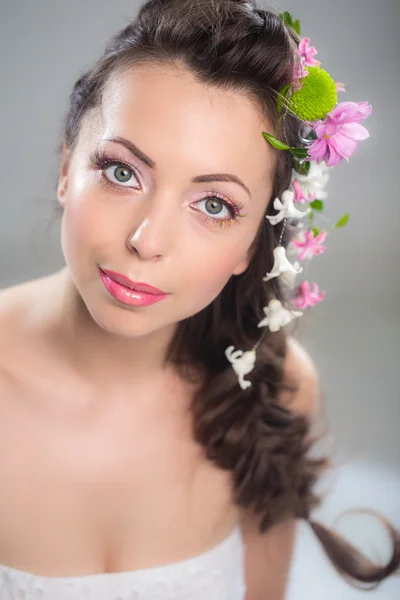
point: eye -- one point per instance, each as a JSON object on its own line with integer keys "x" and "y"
{"x": 115, "y": 171}
{"x": 216, "y": 206}
{"x": 118, "y": 174}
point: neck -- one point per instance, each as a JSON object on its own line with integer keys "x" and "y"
{"x": 98, "y": 355}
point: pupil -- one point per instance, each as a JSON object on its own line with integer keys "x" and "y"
{"x": 122, "y": 174}
{"x": 210, "y": 204}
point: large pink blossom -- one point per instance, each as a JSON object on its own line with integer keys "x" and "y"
{"x": 306, "y": 297}
{"x": 307, "y": 52}
{"x": 340, "y": 132}
{"x": 310, "y": 246}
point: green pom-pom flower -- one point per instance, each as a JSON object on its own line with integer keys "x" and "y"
{"x": 317, "y": 96}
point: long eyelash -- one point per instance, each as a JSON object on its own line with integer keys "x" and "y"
{"x": 101, "y": 158}
{"x": 235, "y": 208}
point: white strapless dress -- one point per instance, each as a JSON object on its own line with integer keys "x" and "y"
{"x": 218, "y": 574}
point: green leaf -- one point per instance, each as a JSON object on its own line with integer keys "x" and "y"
{"x": 342, "y": 221}
{"x": 274, "y": 142}
{"x": 299, "y": 152}
{"x": 302, "y": 168}
{"x": 282, "y": 97}
{"x": 311, "y": 216}
{"x": 315, "y": 231}
{"x": 296, "y": 26}
{"x": 317, "y": 205}
{"x": 286, "y": 18}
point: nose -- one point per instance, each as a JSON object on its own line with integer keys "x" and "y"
{"x": 154, "y": 229}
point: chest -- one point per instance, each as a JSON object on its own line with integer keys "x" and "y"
{"x": 106, "y": 484}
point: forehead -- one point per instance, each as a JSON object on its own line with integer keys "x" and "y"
{"x": 173, "y": 117}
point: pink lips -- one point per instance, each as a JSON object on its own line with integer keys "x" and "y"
{"x": 134, "y": 285}
{"x": 130, "y": 292}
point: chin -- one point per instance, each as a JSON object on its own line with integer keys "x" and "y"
{"x": 124, "y": 321}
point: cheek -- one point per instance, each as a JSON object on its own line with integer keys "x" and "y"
{"x": 208, "y": 270}
{"x": 87, "y": 228}
{"x": 77, "y": 235}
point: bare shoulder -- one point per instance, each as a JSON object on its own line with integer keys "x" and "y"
{"x": 299, "y": 359}
{"x": 12, "y": 302}
{"x": 18, "y": 305}
{"x": 302, "y": 371}
{"x": 15, "y": 298}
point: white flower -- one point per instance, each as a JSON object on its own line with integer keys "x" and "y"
{"x": 314, "y": 183}
{"x": 281, "y": 264}
{"x": 242, "y": 363}
{"x": 286, "y": 208}
{"x": 277, "y": 316}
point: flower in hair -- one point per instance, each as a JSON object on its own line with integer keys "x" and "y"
{"x": 282, "y": 264}
{"x": 306, "y": 297}
{"x": 317, "y": 96}
{"x": 339, "y": 134}
{"x": 277, "y": 316}
{"x": 300, "y": 194}
{"x": 307, "y": 52}
{"x": 328, "y": 133}
{"x": 299, "y": 73}
{"x": 286, "y": 209}
{"x": 242, "y": 363}
{"x": 311, "y": 186}
{"x": 310, "y": 245}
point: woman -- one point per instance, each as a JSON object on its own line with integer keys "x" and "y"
{"x": 139, "y": 467}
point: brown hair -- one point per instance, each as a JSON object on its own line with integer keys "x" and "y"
{"x": 236, "y": 46}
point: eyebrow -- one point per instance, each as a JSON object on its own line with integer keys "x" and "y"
{"x": 152, "y": 165}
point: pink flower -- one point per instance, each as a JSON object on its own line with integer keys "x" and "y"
{"x": 340, "y": 87}
{"x": 306, "y": 52}
{"x": 299, "y": 195}
{"x": 299, "y": 73}
{"x": 310, "y": 246}
{"x": 339, "y": 133}
{"x": 306, "y": 297}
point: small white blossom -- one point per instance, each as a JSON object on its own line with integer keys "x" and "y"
{"x": 281, "y": 264}
{"x": 277, "y": 316}
{"x": 286, "y": 209}
{"x": 242, "y": 363}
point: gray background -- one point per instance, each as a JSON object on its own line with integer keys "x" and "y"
{"x": 353, "y": 336}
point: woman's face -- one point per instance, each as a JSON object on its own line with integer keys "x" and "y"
{"x": 150, "y": 214}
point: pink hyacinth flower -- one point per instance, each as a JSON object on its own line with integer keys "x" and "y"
{"x": 306, "y": 297}
{"x": 310, "y": 246}
{"x": 299, "y": 73}
{"x": 299, "y": 195}
{"x": 339, "y": 133}
{"x": 306, "y": 52}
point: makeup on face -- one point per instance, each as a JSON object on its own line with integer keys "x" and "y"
{"x": 111, "y": 164}
{"x": 129, "y": 292}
